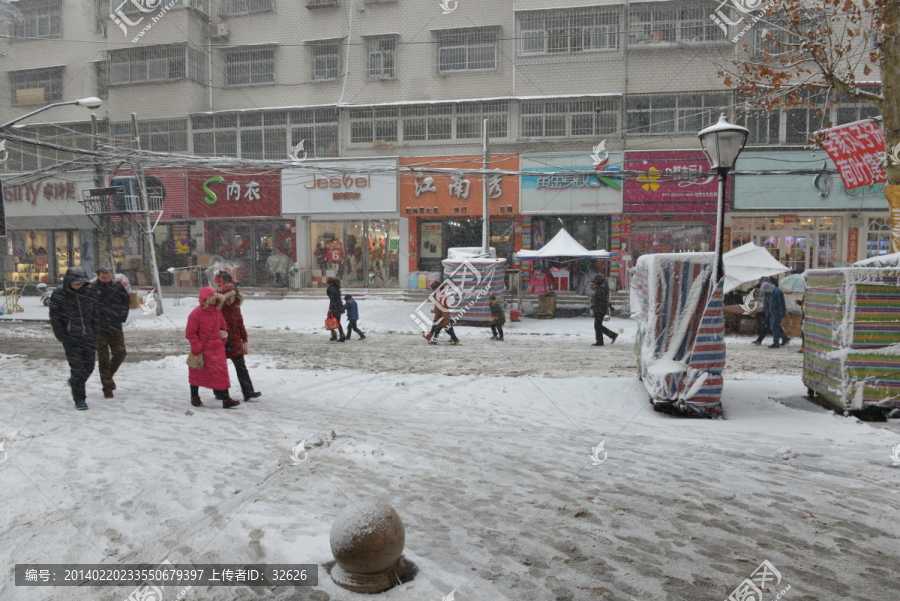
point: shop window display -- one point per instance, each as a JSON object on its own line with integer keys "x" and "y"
{"x": 878, "y": 240}
{"x": 360, "y": 252}
{"x": 29, "y": 260}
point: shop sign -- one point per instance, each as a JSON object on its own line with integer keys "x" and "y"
{"x": 53, "y": 198}
{"x": 798, "y": 192}
{"x": 575, "y": 193}
{"x": 362, "y": 186}
{"x": 852, "y": 244}
{"x": 225, "y": 194}
{"x": 457, "y": 193}
{"x": 856, "y": 149}
{"x": 671, "y": 181}
{"x": 180, "y": 237}
{"x": 431, "y": 241}
{"x": 168, "y": 181}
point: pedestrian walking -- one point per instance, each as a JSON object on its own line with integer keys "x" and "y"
{"x": 352, "y": 317}
{"x": 776, "y": 313}
{"x": 441, "y": 318}
{"x": 766, "y": 288}
{"x": 74, "y": 314}
{"x": 206, "y": 330}
{"x": 498, "y": 318}
{"x": 236, "y": 345}
{"x": 336, "y": 307}
{"x": 112, "y": 297}
{"x": 600, "y": 306}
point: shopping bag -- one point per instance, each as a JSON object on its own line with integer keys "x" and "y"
{"x": 332, "y": 322}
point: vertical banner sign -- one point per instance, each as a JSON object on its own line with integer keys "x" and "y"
{"x": 852, "y": 244}
{"x": 856, "y": 149}
{"x": 2, "y": 212}
{"x": 180, "y": 236}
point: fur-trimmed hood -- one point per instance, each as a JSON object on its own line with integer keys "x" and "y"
{"x": 230, "y": 291}
{"x": 209, "y": 297}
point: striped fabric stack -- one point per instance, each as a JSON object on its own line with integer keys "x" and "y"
{"x": 851, "y": 331}
{"x": 680, "y": 344}
{"x": 468, "y": 284}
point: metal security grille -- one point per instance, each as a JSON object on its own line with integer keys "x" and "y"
{"x": 381, "y": 53}
{"x": 248, "y": 66}
{"x": 468, "y": 50}
{"x": 569, "y": 118}
{"x": 569, "y": 31}
{"x": 687, "y": 23}
{"x": 37, "y": 19}
{"x": 36, "y": 86}
{"x": 469, "y": 118}
{"x": 370, "y": 124}
{"x": 156, "y": 63}
{"x": 674, "y": 113}
{"x": 427, "y": 122}
{"x": 248, "y": 7}
{"x": 319, "y": 129}
{"x": 326, "y": 60}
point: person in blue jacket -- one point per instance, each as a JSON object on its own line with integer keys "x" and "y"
{"x": 775, "y": 310}
{"x": 352, "y": 317}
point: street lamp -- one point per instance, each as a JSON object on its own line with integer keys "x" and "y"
{"x": 722, "y": 143}
{"x": 91, "y": 102}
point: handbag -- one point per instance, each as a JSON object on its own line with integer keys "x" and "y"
{"x": 331, "y": 322}
{"x": 196, "y": 361}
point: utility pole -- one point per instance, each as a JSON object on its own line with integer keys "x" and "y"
{"x": 145, "y": 209}
{"x": 486, "y": 222}
{"x": 100, "y": 183}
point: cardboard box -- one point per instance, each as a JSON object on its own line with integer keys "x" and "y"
{"x": 187, "y": 279}
{"x": 133, "y": 302}
{"x": 791, "y": 326}
{"x": 131, "y": 264}
{"x": 203, "y": 261}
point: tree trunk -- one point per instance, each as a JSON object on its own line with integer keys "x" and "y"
{"x": 890, "y": 110}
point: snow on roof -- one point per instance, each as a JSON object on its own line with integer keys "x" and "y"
{"x": 892, "y": 260}
{"x": 562, "y": 245}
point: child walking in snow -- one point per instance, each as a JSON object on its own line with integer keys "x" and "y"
{"x": 498, "y": 318}
{"x": 352, "y": 317}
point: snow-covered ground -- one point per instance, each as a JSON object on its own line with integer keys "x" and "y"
{"x": 483, "y": 450}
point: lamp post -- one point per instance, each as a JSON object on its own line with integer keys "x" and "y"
{"x": 90, "y": 102}
{"x": 722, "y": 143}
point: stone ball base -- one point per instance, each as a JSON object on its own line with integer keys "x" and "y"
{"x": 369, "y": 583}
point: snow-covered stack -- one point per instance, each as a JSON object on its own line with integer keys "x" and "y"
{"x": 680, "y": 342}
{"x": 470, "y": 277}
{"x": 851, "y": 333}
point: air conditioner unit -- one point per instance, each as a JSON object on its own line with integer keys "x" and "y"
{"x": 218, "y": 31}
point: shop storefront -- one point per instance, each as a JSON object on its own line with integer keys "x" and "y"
{"x": 585, "y": 204}
{"x": 239, "y": 222}
{"x": 445, "y": 209}
{"x": 47, "y": 230}
{"x": 347, "y": 221}
{"x": 805, "y": 221}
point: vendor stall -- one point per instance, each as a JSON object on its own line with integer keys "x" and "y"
{"x": 470, "y": 277}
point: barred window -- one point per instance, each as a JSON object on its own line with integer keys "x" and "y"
{"x": 155, "y": 63}
{"x": 374, "y": 123}
{"x": 326, "y": 59}
{"x": 661, "y": 23}
{"x": 569, "y": 118}
{"x": 684, "y": 114}
{"x": 427, "y": 122}
{"x": 473, "y": 49}
{"x": 233, "y": 8}
{"x": 221, "y": 141}
{"x": 101, "y": 77}
{"x": 319, "y": 129}
{"x": 246, "y": 66}
{"x": 36, "y": 86}
{"x": 568, "y": 30}
{"x": 469, "y": 118}
{"x": 381, "y": 52}
{"x": 763, "y": 127}
{"x": 128, "y": 7}
{"x": 37, "y": 19}
{"x": 163, "y": 135}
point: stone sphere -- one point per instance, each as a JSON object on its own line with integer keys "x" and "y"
{"x": 367, "y": 538}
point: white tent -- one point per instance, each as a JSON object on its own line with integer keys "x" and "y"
{"x": 892, "y": 260}
{"x": 562, "y": 245}
{"x": 748, "y": 263}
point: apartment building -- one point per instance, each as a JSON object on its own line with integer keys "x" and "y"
{"x": 356, "y": 79}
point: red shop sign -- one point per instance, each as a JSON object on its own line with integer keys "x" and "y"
{"x": 228, "y": 195}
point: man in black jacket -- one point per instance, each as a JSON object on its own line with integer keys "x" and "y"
{"x": 74, "y": 315}
{"x": 600, "y": 305}
{"x": 114, "y": 305}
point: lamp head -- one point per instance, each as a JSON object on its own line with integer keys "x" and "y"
{"x": 91, "y": 102}
{"x": 723, "y": 142}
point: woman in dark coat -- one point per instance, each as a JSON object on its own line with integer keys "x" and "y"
{"x": 336, "y": 306}
{"x": 236, "y": 343}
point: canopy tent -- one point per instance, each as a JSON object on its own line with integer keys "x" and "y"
{"x": 563, "y": 245}
{"x": 892, "y": 260}
{"x": 748, "y": 263}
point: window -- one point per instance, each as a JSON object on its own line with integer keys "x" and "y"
{"x": 101, "y": 77}
{"x": 233, "y": 8}
{"x": 319, "y": 129}
{"x": 878, "y": 242}
{"x": 374, "y": 123}
{"x": 37, "y": 19}
{"x": 264, "y": 135}
{"x": 326, "y": 59}
{"x": 220, "y": 141}
{"x": 246, "y": 66}
{"x": 763, "y": 127}
{"x": 468, "y": 50}
{"x": 772, "y": 36}
{"x": 662, "y": 23}
{"x": 156, "y": 63}
{"x": 470, "y": 117}
{"x": 427, "y": 122}
{"x": 684, "y": 114}
{"x": 158, "y": 135}
{"x": 569, "y": 118}
{"x": 36, "y": 86}
{"x": 568, "y": 31}
{"x": 381, "y": 52}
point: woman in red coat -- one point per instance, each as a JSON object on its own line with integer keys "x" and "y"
{"x": 206, "y": 330}
{"x": 236, "y": 343}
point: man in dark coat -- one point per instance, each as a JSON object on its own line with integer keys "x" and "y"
{"x": 600, "y": 306}
{"x": 113, "y": 300}
{"x": 775, "y": 310}
{"x": 74, "y": 315}
{"x": 336, "y": 306}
